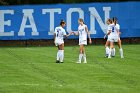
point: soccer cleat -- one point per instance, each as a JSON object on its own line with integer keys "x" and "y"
{"x": 57, "y": 61}
{"x": 109, "y": 57}
{"x": 122, "y": 57}
{"x": 106, "y": 55}
{"x": 61, "y": 62}
{"x": 78, "y": 62}
{"x": 85, "y": 62}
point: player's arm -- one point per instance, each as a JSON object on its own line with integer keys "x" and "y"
{"x": 68, "y": 34}
{"x": 76, "y": 33}
{"x": 54, "y": 37}
{"x": 108, "y": 32}
{"x": 118, "y": 31}
{"x": 86, "y": 29}
{"x": 109, "y": 29}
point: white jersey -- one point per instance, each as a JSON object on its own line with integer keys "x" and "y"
{"x": 82, "y": 32}
{"x": 108, "y": 28}
{"x": 114, "y": 30}
{"x": 60, "y": 32}
{"x": 117, "y": 26}
{"x": 113, "y": 37}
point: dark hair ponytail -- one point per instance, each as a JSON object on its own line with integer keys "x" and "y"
{"x": 81, "y": 20}
{"x": 62, "y": 22}
{"x": 109, "y": 20}
{"x": 115, "y": 20}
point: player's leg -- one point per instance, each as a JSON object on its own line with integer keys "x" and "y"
{"x": 107, "y": 48}
{"x": 84, "y": 55}
{"x": 61, "y": 47}
{"x": 113, "y": 51}
{"x": 120, "y": 48}
{"x": 111, "y": 46}
{"x": 80, "y": 53}
{"x": 58, "y": 55}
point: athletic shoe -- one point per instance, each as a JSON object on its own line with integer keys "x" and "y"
{"x": 106, "y": 55}
{"x": 85, "y": 62}
{"x": 57, "y": 61}
{"x": 109, "y": 57}
{"x": 78, "y": 62}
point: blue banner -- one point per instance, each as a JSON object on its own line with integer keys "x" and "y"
{"x": 39, "y": 21}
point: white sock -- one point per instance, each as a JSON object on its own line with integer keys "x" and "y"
{"x": 121, "y": 52}
{"x": 109, "y": 55}
{"x": 113, "y": 52}
{"x": 61, "y": 55}
{"x": 107, "y": 50}
{"x": 58, "y": 55}
{"x": 84, "y": 56}
{"x": 80, "y": 57}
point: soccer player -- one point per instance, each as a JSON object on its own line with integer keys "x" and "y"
{"x": 114, "y": 37}
{"x": 109, "y": 22}
{"x": 82, "y": 32}
{"x": 115, "y": 21}
{"x": 59, "y": 35}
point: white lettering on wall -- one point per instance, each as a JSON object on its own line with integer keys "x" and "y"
{"x": 69, "y": 13}
{"x": 28, "y": 14}
{"x": 95, "y": 15}
{"x": 52, "y": 12}
{"x": 3, "y": 23}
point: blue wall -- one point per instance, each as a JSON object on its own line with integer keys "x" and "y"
{"x": 36, "y": 25}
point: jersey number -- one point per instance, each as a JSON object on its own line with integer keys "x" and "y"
{"x": 81, "y": 31}
{"x": 57, "y": 32}
{"x": 112, "y": 29}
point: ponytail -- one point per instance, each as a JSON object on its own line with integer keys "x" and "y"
{"x": 109, "y": 20}
{"x": 62, "y": 22}
{"x": 81, "y": 20}
{"x": 115, "y": 20}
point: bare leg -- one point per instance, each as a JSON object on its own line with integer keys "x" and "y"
{"x": 113, "y": 51}
{"x": 61, "y": 49}
{"x": 80, "y": 53}
{"x": 120, "y": 48}
{"x": 111, "y": 47}
{"x": 84, "y": 55}
{"x": 107, "y": 48}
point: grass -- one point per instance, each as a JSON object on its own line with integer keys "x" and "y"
{"x": 33, "y": 70}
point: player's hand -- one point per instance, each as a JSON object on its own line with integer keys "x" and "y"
{"x": 90, "y": 41}
{"x": 71, "y": 32}
{"x": 119, "y": 33}
{"x": 74, "y": 33}
{"x": 104, "y": 36}
{"x": 67, "y": 36}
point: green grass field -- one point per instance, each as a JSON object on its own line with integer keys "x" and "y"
{"x": 33, "y": 70}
